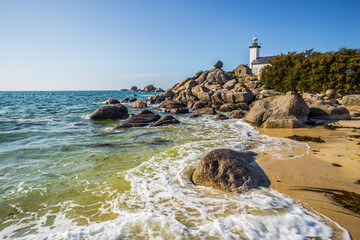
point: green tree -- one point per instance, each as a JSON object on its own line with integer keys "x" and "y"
{"x": 314, "y": 72}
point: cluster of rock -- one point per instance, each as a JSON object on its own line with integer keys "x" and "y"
{"x": 352, "y": 102}
{"x": 208, "y": 92}
{"x": 148, "y": 88}
{"x": 114, "y": 110}
{"x": 146, "y": 118}
{"x": 216, "y": 90}
{"x": 134, "y": 101}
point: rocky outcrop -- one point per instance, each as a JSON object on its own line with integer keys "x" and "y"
{"x": 139, "y": 104}
{"x": 228, "y": 170}
{"x": 289, "y": 111}
{"x": 167, "y": 120}
{"x": 320, "y": 109}
{"x": 214, "y": 86}
{"x": 112, "y": 101}
{"x": 143, "y": 118}
{"x": 351, "y": 102}
{"x": 148, "y": 88}
{"x": 111, "y": 111}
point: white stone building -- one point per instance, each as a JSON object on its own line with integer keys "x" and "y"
{"x": 257, "y": 63}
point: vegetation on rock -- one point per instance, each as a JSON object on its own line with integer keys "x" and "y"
{"x": 218, "y": 83}
{"x": 306, "y": 138}
{"x": 349, "y": 200}
{"x": 312, "y": 71}
{"x": 198, "y": 73}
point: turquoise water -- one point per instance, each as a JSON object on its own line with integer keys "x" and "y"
{"x": 63, "y": 176}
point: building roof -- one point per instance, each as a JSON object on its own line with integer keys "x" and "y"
{"x": 243, "y": 65}
{"x": 263, "y": 60}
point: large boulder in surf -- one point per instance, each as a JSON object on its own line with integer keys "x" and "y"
{"x": 111, "y": 111}
{"x": 142, "y": 119}
{"x": 167, "y": 120}
{"x": 221, "y": 117}
{"x": 320, "y": 109}
{"x": 351, "y": 101}
{"x": 112, "y": 101}
{"x": 228, "y": 170}
{"x": 139, "y": 104}
{"x": 289, "y": 111}
{"x": 128, "y": 100}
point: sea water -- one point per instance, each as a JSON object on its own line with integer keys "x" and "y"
{"x": 64, "y": 176}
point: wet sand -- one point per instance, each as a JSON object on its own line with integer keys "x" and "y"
{"x": 299, "y": 178}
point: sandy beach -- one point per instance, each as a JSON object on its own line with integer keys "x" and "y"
{"x": 302, "y": 177}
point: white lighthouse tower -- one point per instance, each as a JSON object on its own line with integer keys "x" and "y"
{"x": 254, "y": 51}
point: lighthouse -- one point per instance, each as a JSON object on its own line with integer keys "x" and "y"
{"x": 254, "y": 51}
{"x": 256, "y": 62}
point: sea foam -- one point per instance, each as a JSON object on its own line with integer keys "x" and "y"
{"x": 163, "y": 203}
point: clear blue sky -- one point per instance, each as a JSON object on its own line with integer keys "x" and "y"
{"x": 98, "y": 45}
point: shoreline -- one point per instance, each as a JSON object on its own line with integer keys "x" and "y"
{"x": 303, "y": 178}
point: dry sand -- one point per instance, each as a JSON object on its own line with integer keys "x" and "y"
{"x": 315, "y": 170}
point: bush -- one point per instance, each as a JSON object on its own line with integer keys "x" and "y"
{"x": 232, "y": 73}
{"x": 198, "y": 73}
{"x": 218, "y": 83}
{"x": 314, "y": 72}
